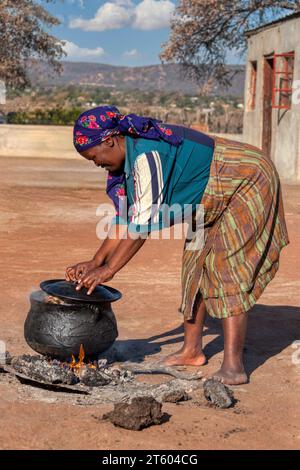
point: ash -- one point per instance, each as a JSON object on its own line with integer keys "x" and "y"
{"x": 55, "y": 372}
{"x": 37, "y": 378}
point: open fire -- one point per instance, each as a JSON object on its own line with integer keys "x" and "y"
{"x": 76, "y": 366}
{"x": 78, "y": 371}
{"x": 112, "y": 383}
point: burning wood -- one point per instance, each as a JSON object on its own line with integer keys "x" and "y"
{"x": 53, "y": 371}
{"x": 78, "y": 365}
{"x": 103, "y": 383}
{"x": 94, "y": 378}
{"x": 39, "y": 368}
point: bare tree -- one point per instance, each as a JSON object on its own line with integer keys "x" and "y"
{"x": 203, "y": 31}
{"x": 23, "y": 38}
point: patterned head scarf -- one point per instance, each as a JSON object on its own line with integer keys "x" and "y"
{"x": 94, "y": 126}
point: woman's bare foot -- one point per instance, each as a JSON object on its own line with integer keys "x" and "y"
{"x": 184, "y": 358}
{"x": 231, "y": 376}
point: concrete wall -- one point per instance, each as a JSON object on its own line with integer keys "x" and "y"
{"x": 281, "y": 38}
{"x": 45, "y": 141}
{"x": 36, "y": 141}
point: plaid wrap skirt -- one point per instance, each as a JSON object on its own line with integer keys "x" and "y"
{"x": 244, "y": 232}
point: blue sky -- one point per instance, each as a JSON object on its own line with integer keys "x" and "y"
{"x": 118, "y": 32}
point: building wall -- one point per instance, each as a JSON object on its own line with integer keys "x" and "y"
{"x": 45, "y": 141}
{"x": 285, "y": 152}
{"x": 36, "y": 141}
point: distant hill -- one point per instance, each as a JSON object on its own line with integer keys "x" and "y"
{"x": 167, "y": 77}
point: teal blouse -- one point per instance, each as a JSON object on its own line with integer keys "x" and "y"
{"x": 162, "y": 181}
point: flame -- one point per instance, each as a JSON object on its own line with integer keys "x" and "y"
{"x": 76, "y": 366}
{"x": 81, "y": 354}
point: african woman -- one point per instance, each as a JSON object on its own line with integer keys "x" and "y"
{"x": 154, "y": 165}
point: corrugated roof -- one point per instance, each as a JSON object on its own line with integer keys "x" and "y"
{"x": 293, "y": 16}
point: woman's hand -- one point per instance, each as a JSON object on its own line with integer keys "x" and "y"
{"x": 95, "y": 277}
{"x": 75, "y": 272}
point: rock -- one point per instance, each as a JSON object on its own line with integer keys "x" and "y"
{"x": 140, "y": 413}
{"x": 218, "y": 394}
{"x": 175, "y": 396}
{"x": 198, "y": 397}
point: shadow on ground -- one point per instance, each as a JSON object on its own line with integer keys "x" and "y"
{"x": 271, "y": 329}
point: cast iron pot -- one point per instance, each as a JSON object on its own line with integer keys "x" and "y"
{"x": 58, "y": 329}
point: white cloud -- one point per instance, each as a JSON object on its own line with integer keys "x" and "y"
{"x": 127, "y": 3}
{"x": 133, "y": 53}
{"x": 117, "y": 14}
{"x": 108, "y": 16}
{"x": 75, "y": 52}
{"x": 153, "y": 14}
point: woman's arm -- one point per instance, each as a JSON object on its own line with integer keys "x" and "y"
{"x": 109, "y": 245}
{"x": 123, "y": 253}
{"x": 126, "y": 249}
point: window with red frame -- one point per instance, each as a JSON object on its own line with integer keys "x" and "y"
{"x": 283, "y": 80}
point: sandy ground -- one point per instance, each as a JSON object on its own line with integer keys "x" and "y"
{"x": 48, "y": 220}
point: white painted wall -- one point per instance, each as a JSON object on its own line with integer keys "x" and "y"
{"x": 280, "y": 38}
{"x": 36, "y": 141}
{"x": 45, "y": 141}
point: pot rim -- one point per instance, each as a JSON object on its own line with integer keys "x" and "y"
{"x": 80, "y": 296}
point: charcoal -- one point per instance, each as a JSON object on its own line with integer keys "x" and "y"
{"x": 218, "y": 394}
{"x": 121, "y": 375}
{"x": 39, "y": 368}
{"x": 140, "y": 413}
{"x": 47, "y": 386}
{"x": 117, "y": 374}
{"x": 5, "y": 358}
{"x": 93, "y": 377}
{"x": 101, "y": 363}
{"x": 8, "y": 358}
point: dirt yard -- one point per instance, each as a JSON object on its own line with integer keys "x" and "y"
{"x": 48, "y": 220}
